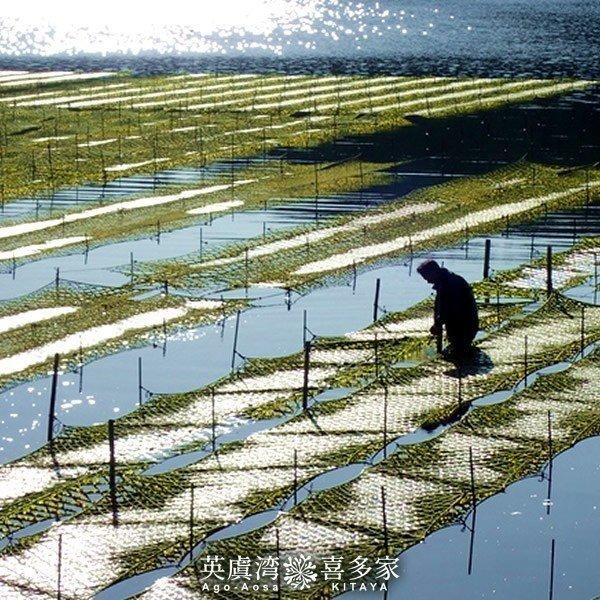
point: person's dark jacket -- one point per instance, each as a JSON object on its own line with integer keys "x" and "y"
{"x": 455, "y": 307}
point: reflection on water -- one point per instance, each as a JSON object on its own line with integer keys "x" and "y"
{"x": 513, "y": 540}
{"x": 496, "y": 37}
{"x": 192, "y": 358}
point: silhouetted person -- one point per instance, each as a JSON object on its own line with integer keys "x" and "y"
{"x": 455, "y": 308}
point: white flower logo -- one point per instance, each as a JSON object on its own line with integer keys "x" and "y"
{"x": 299, "y": 572}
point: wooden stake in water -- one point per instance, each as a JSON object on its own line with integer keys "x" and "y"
{"x": 192, "y": 522}
{"x": 582, "y": 343}
{"x": 304, "y": 327}
{"x": 232, "y": 164}
{"x": 140, "y": 386}
{"x": 80, "y": 368}
{"x": 112, "y": 473}
{"x": 526, "y": 360}
{"x": 385, "y": 420}
{"x": 549, "y": 286}
{"x": 306, "y": 375}
{"x": 552, "y": 556}
{"x": 376, "y": 348}
{"x": 278, "y": 555}
{"x": 57, "y": 279}
{"x": 386, "y": 545}
{"x": 214, "y": 420}
{"x": 376, "y": 301}
{"x": 131, "y": 267}
{"x": 473, "y": 508}
{"x": 235, "y": 340}
{"x": 59, "y": 569}
{"x": 550, "y": 463}
{"x": 486, "y": 259}
{"x": 497, "y": 304}
{"x": 53, "y": 398}
{"x": 295, "y": 477}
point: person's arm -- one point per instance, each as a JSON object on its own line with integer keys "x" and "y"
{"x": 436, "y": 328}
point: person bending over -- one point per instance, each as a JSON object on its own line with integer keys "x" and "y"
{"x": 455, "y": 308}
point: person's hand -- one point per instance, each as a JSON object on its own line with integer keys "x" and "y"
{"x": 436, "y": 329}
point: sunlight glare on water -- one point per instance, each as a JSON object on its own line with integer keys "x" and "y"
{"x": 227, "y": 26}
{"x": 491, "y": 38}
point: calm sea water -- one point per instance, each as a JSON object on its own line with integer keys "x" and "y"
{"x": 479, "y": 37}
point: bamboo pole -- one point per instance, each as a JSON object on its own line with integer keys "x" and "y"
{"x": 235, "y": 340}
{"x": 386, "y": 544}
{"x": 112, "y": 477}
{"x": 306, "y": 375}
{"x": 486, "y": 259}
{"x": 52, "y": 409}
{"x": 549, "y": 270}
{"x": 376, "y": 300}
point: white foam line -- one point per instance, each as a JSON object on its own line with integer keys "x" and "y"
{"x": 88, "y": 338}
{"x": 538, "y": 91}
{"x": 33, "y": 316}
{"x": 60, "y": 79}
{"x": 234, "y": 92}
{"x": 358, "y": 255}
{"x": 347, "y": 86}
{"x": 94, "y": 88}
{"x": 98, "y": 91}
{"x": 305, "y": 88}
{"x": 12, "y": 73}
{"x": 244, "y": 88}
{"x": 33, "y": 75}
{"x": 488, "y": 90}
{"x": 99, "y": 102}
{"x": 52, "y": 138}
{"x": 360, "y": 87}
{"x": 132, "y": 92}
{"x": 34, "y": 249}
{"x": 434, "y": 89}
{"x": 216, "y": 207}
{"x": 226, "y": 134}
{"x": 417, "y": 86}
{"x": 126, "y": 166}
{"x": 147, "y": 202}
{"x": 322, "y": 234}
{"x": 204, "y": 304}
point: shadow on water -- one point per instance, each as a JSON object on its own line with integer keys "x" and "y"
{"x": 557, "y": 131}
{"x": 429, "y": 152}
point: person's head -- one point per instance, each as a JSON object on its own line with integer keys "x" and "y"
{"x": 429, "y": 270}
